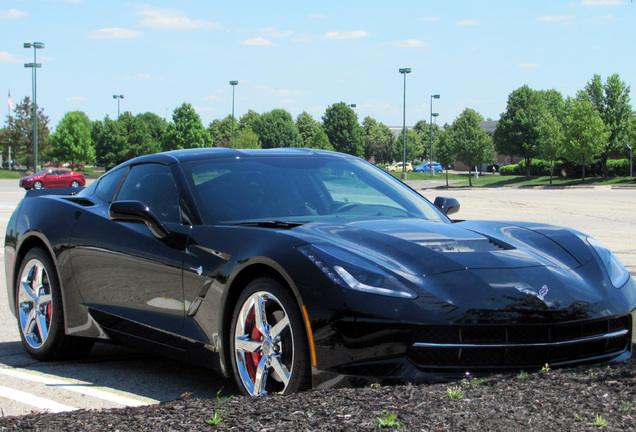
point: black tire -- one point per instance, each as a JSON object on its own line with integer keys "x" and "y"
{"x": 40, "y": 313}
{"x": 74, "y": 183}
{"x": 38, "y": 185}
{"x": 281, "y": 353}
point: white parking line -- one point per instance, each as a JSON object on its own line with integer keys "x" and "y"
{"x": 74, "y": 386}
{"x": 34, "y": 401}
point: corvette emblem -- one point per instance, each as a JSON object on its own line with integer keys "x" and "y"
{"x": 540, "y": 295}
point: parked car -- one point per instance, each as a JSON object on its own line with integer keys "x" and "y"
{"x": 425, "y": 167}
{"x": 397, "y": 166}
{"x": 52, "y": 178}
{"x": 294, "y": 268}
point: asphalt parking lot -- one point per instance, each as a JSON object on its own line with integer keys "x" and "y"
{"x": 606, "y": 213}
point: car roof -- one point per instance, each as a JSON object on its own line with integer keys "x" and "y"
{"x": 187, "y": 155}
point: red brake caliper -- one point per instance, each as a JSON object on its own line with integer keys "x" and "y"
{"x": 253, "y": 359}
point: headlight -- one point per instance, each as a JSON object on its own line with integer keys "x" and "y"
{"x": 618, "y": 274}
{"x": 352, "y": 271}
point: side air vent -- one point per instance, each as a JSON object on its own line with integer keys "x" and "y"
{"x": 84, "y": 202}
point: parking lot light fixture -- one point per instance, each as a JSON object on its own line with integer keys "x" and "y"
{"x": 433, "y": 96}
{"x": 34, "y": 114}
{"x": 404, "y": 71}
{"x": 118, "y": 97}
{"x": 233, "y": 83}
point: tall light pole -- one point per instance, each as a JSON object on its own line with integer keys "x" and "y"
{"x": 434, "y": 96}
{"x": 233, "y": 83}
{"x": 404, "y": 71}
{"x": 34, "y": 113}
{"x": 118, "y": 97}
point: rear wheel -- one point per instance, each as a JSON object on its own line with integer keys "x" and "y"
{"x": 268, "y": 341}
{"x": 40, "y": 312}
{"x": 74, "y": 183}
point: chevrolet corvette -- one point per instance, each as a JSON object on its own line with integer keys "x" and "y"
{"x": 290, "y": 269}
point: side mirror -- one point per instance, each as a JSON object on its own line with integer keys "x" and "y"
{"x": 137, "y": 212}
{"x": 448, "y": 206}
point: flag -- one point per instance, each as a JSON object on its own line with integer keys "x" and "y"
{"x": 9, "y": 101}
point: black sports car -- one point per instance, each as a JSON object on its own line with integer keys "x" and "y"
{"x": 293, "y": 268}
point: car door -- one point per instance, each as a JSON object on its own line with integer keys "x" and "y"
{"x": 131, "y": 280}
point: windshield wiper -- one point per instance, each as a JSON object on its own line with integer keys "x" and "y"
{"x": 271, "y": 224}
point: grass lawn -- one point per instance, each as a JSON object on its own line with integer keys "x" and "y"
{"x": 489, "y": 180}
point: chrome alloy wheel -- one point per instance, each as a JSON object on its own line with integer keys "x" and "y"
{"x": 35, "y": 305}
{"x": 263, "y": 344}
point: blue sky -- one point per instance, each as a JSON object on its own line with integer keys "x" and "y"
{"x": 305, "y": 56}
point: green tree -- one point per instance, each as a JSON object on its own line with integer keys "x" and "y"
{"x": 378, "y": 141}
{"x": 518, "y": 130}
{"x": 612, "y": 101}
{"x": 221, "y": 132}
{"x": 471, "y": 144}
{"x": 276, "y": 129}
{"x": 341, "y": 125}
{"x": 110, "y": 141}
{"x": 429, "y": 133}
{"x": 306, "y": 127}
{"x": 155, "y": 125}
{"x": 444, "y": 150}
{"x": 139, "y": 140}
{"x": 245, "y": 138}
{"x": 414, "y": 147}
{"x": 247, "y": 119}
{"x": 71, "y": 141}
{"x": 319, "y": 139}
{"x": 186, "y": 131}
{"x": 20, "y": 130}
{"x": 584, "y": 132}
{"x": 550, "y": 140}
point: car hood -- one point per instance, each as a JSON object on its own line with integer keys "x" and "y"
{"x": 429, "y": 248}
{"x": 461, "y": 263}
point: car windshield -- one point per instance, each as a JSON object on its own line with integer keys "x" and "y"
{"x": 41, "y": 172}
{"x": 300, "y": 190}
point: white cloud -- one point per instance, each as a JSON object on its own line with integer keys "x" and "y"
{"x": 318, "y": 16}
{"x": 410, "y": 43}
{"x": 12, "y": 14}
{"x": 467, "y": 23}
{"x": 5, "y": 57}
{"x": 347, "y": 35}
{"x": 257, "y": 41}
{"x": 528, "y": 65}
{"x": 170, "y": 19}
{"x": 115, "y": 33}
{"x": 603, "y": 2}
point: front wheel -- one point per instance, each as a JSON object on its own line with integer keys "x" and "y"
{"x": 268, "y": 341}
{"x": 37, "y": 185}
{"x": 40, "y": 312}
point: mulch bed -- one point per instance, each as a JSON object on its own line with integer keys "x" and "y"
{"x": 587, "y": 398}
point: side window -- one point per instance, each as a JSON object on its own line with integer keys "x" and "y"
{"x": 108, "y": 184}
{"x": 153, "y": 185}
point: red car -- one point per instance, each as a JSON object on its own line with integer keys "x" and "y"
{"x": 51, "y": 178}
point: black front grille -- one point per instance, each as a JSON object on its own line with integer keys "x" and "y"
{"x": 516, "y": 346}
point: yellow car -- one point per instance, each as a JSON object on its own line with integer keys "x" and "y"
{"x": 398, "y": 167}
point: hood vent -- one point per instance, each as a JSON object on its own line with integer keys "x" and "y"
{"x": 468, "y": 245}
